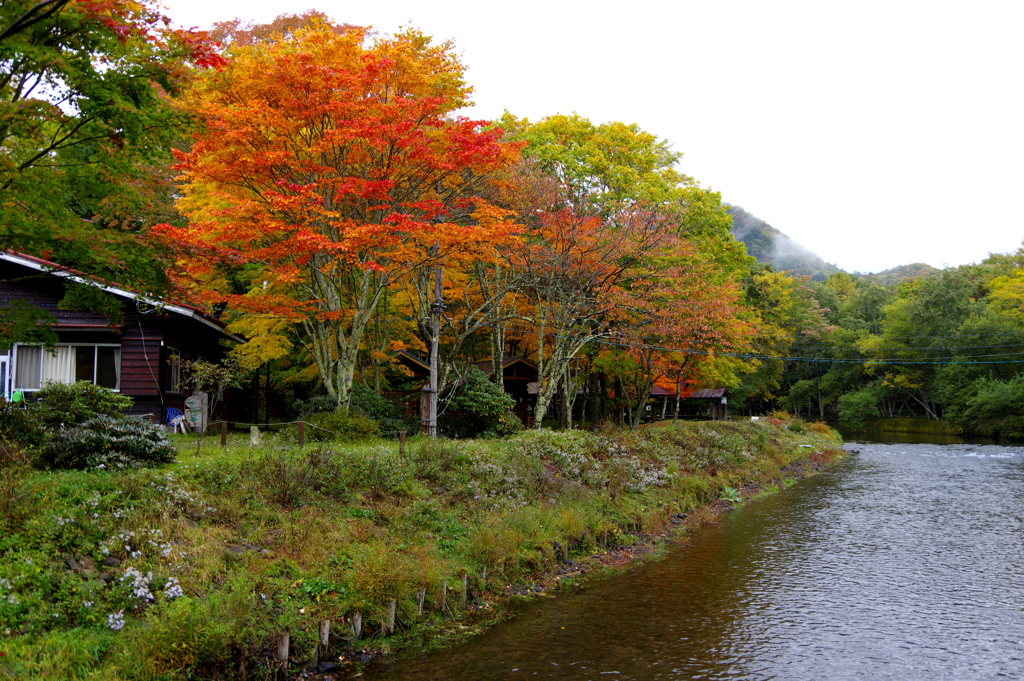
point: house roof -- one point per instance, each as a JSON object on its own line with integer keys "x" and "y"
{"x": 402, "y": 354}
{"x": 56, "y": 270}
{"x": 707, "y": 393}
{"x": 487, "y": 365}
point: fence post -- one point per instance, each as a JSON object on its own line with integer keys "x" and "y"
{"x": 302, "y": 433}
{"x": 223, "y": 433}
{"x": 401, "y": 442}
{"x": 325, "y": 638}
{"x": 357, "y": 624}
{"x": 281, "y": 654}
{"x": 390, "y": 627}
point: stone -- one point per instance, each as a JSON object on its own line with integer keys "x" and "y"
{"x": 255, "y": 438}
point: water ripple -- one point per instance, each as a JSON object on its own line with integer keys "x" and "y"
{"x": 903, "y": 563}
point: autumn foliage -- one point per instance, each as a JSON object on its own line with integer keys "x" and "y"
{"x": 330, "y": 167}
{"x": 333, "y": 174}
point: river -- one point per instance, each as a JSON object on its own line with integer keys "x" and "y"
{"x": 904, "y": 562}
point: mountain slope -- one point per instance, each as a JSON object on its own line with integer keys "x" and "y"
{"x": 769, "y": 245}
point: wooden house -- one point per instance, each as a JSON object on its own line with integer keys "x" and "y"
{"x": 520, "y": 378}
{"x": 140, "y": 357}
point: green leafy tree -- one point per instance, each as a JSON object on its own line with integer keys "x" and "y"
{"x": 85, "y": 119}
{"x": 477, "y": 406}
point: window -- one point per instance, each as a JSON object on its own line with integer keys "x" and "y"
{"x": 173, "y": 370}
{"x": 35, "y": 366}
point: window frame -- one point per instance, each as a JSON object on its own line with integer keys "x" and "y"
{"x": 70, "y": 369}
{"x": 174, "y": 359}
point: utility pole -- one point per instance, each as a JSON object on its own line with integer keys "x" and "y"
{"x": 436, "y": 308}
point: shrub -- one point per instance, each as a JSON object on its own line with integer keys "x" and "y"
{"x": 856, "y": 406}
{"x": 338, "y": 426}
{"x": 819, "y": 428}
{"x": 108, "y": 442}
{"x": 69, "y": 404}
{"x": 318, "y": 404}
{"x": 370, "y": 403}
{"x": 478, "y": 406}
{"x": 18, "y": 427}
{"x": 364, "y": 400}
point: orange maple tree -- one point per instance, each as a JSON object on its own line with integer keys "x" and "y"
{"x": 674, "y": 322}
{"x": 575, "y": 267}
{"x": 330, "y": 167}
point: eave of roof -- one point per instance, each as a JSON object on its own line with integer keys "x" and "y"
{"x": 707, "y": 393}
{"x": 48, "y": 267}
{"x": 412, "y": 358}
{"x": 487, "y": 365}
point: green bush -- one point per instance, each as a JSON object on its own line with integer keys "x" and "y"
{"x": 18, "y": 427}
{"x": 857, "y": 406}
{"x": 476, "y": 407}
{"x": 111, "y": 442}
{"x": 364, "y": 400}
{"x": 335, "y": 425}
{"x": 370, "y": 403}
{"x": 69, "y": 404}
{"x": 317, "y": 404}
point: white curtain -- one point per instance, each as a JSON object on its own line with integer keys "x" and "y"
{"x": 26, "y": 363}
{"x": 57, "y": 365}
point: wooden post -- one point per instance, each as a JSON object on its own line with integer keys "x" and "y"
{"x": 421, "y": 593}
{"x": 282, "y": 649}
{"x": 483, "y": 575}
{"x": 325, "y": 637}
{"x": 302, "y": 433}
{"x": 223, "y": 433}
{"x": 389, "y": 628}
{"x": 401, "y": 442}
{"x": 357, "y": 625}
{"x": 465, "y": 588}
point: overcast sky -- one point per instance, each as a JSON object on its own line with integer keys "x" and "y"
{"x": 874, "y": 133}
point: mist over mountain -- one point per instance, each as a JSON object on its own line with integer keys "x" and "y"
{"x": 769, "y": 245}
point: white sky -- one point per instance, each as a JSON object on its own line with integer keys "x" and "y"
{"x": 875, "y": 133}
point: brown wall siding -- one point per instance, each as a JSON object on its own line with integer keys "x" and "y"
{"x": 140, "y": 364}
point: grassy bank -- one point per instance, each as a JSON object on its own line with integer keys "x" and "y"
{"x": 193, "y": 569}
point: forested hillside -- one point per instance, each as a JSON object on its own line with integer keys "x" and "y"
{"x": 770, "y": 246}
{"x": 949, "y": 346}
{"x": 895, "y": 275}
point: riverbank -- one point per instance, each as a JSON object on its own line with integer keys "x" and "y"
{"x": 923, "y": 426}
{"x": 194, "y": 570}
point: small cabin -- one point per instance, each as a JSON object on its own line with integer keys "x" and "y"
{"x": 140, "y": 357}
{"x": 520, "y": 379}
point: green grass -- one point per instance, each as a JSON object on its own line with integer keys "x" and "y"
{"x": 212, "y": 555}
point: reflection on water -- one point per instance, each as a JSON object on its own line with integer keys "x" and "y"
{"x": 903, "y": 563}
{"x": 894, "y": 437}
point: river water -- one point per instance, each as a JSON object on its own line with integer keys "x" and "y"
{"x": 904, "y": 562}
